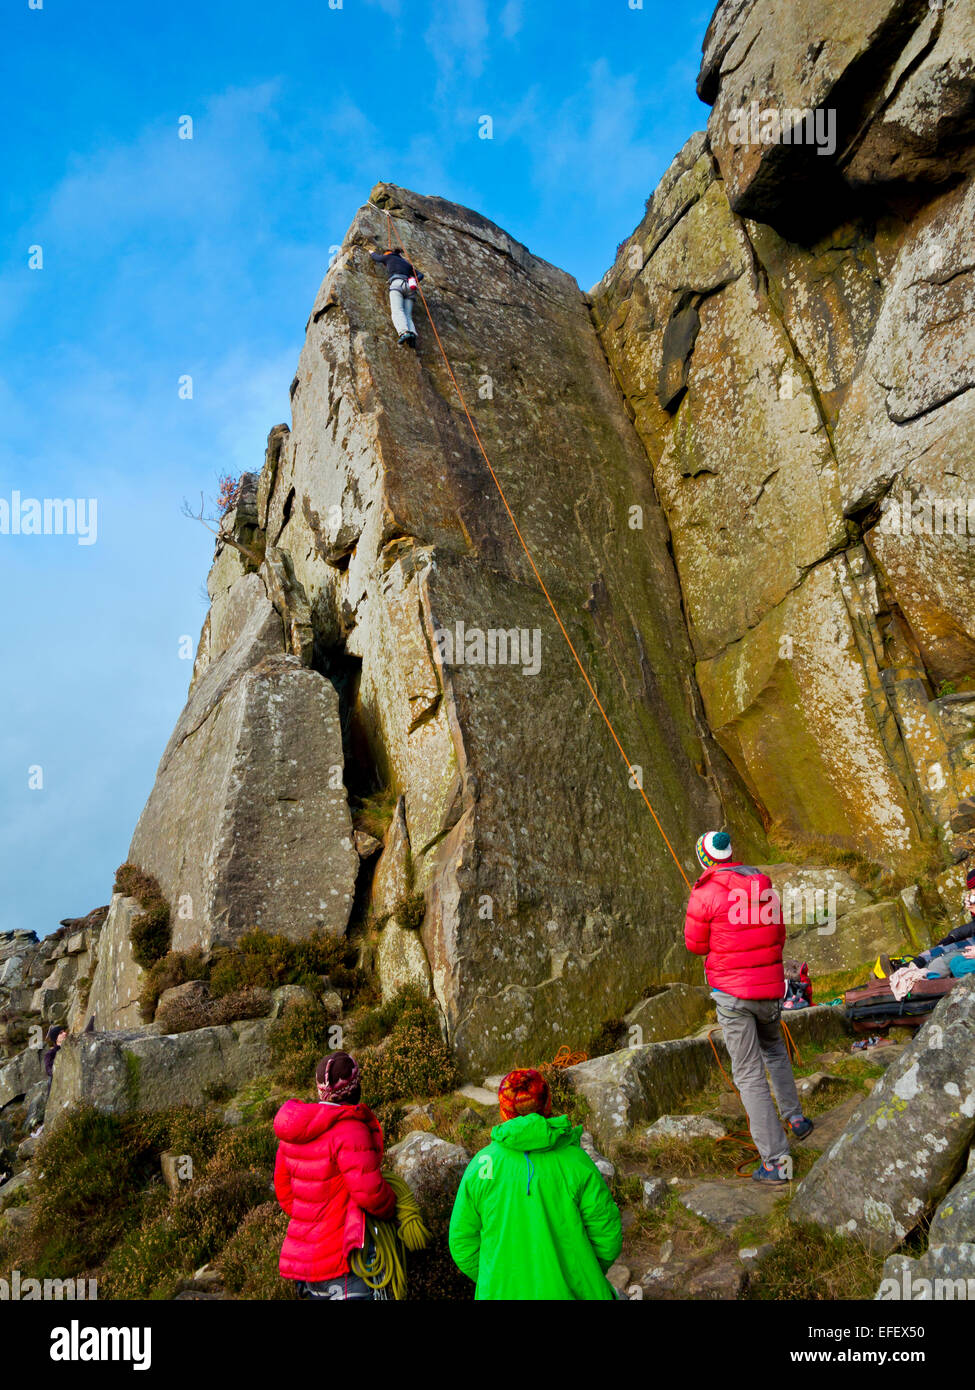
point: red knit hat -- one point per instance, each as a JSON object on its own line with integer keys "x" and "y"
{"x": 524, "y": 1092}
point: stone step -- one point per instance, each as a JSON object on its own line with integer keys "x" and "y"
{"x": 725, "y": 1203}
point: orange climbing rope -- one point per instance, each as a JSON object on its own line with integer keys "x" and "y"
{"x": 531, "y": 561}
{"x": 565, "y": 1057}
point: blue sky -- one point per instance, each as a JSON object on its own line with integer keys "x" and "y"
{"x": 165, "y": 257}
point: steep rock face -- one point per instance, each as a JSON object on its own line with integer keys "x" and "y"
{"x": 894, "y": 76}
{"x": 248, "y": 822}
{"x": 396, "y": 535}
{"x": 721, "y": 528}
{"x": 798, "y": 397}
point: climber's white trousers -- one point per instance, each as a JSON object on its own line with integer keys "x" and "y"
{"x": 401, "y": 306}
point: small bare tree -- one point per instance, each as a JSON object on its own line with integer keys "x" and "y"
{"x": 218, "y": 523}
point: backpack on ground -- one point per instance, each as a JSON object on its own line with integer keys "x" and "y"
{"x": 873, "y": 1007}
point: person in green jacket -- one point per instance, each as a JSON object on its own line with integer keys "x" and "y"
{"x": 533, "y": 1218}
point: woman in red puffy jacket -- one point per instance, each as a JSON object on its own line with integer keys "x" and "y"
{"x": 327, "y": 1176}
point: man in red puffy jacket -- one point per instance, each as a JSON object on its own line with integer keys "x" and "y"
{"x": 327, "y": 1176}
{"x": 734, "y": 919}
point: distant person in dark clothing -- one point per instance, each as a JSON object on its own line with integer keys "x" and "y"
{"x": 56, "y": 1035}
{"x": 403, "y": 281}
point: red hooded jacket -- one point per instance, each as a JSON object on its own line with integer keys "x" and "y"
{"x": 735, "y": 920}
{"x": 327, "y": 1176}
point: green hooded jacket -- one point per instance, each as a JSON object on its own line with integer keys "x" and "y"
{"x": 533, "y": 1217}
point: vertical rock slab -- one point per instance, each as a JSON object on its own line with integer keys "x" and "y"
{"x": 248, "y": 823}
{"x": 906, "y": 1143}
{"x": 117, "y": 980}
{"x": 551, "y": 898}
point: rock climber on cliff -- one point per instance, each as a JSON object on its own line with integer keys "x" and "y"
{"x": 403, "y": 281}
{"x": 734, "y": 919}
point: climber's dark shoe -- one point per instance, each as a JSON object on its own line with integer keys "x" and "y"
{"x": 774, "y": 1173}
{"x": 405, "y": 338}
{"x": 800, "y": 1126}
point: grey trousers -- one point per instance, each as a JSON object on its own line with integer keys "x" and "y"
{"x": 401, "y": 306}
{"x": 753, "y": 1036}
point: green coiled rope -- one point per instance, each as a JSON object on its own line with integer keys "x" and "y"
{"x": 387, "y": 1268}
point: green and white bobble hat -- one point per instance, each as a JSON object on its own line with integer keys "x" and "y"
{"x": 714, "y": 848}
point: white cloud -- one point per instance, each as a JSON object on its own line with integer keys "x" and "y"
{"x": 512, "y": 17}
{"x": 457, "y": 40}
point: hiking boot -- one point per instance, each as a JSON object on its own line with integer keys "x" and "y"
{"x": 775, "y": 1173}
{"x": 800, "y": 1126}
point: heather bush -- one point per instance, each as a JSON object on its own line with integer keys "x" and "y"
{"x": 150, "y": 932}
{"x": 249, "y": 1261}
{"x": 182, "y": 1015}
{"x": 244, "y": 1148}
{"x": 259, "y": 959}
{"x": 92, "y": 1174}
{"x": 167, "y": 1247}
{"x": 412, "y": 1059}
{"x": 173, "y": 969}
{"x": 298, "y": 1041}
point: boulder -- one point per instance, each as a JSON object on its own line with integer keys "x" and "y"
{"x": 724, "y": 1278}
{"x": 954, "y": 1221}
{"x": 903, "y": 1147}
{"x": 15, "y": 1185}
{"x": 654, "y": 1192}
{"x": 855, "y": 938}
{"x": 672, "y": 1013}
{"x": 942, "y": 1273}
{"x": 21, "y": 1073}
{"x": 286, "y": 995}
{"x": 15, "y": 1220}
{"x": 143, "y": 1069}
{"x": 190, "y": 992}
{"x": 480, "y": 1096}
{"x": 727, "y": 1204}
{"x": 332, "y": 1004}
{"x": 686, "y": 1127}
{"x": 639, "y": 1084}
{"x": 433, "y": 1168}
{"x": 175, "y": 1170}
{"x": 816, "y": 1083}
{"x": 605, "y": 1166}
